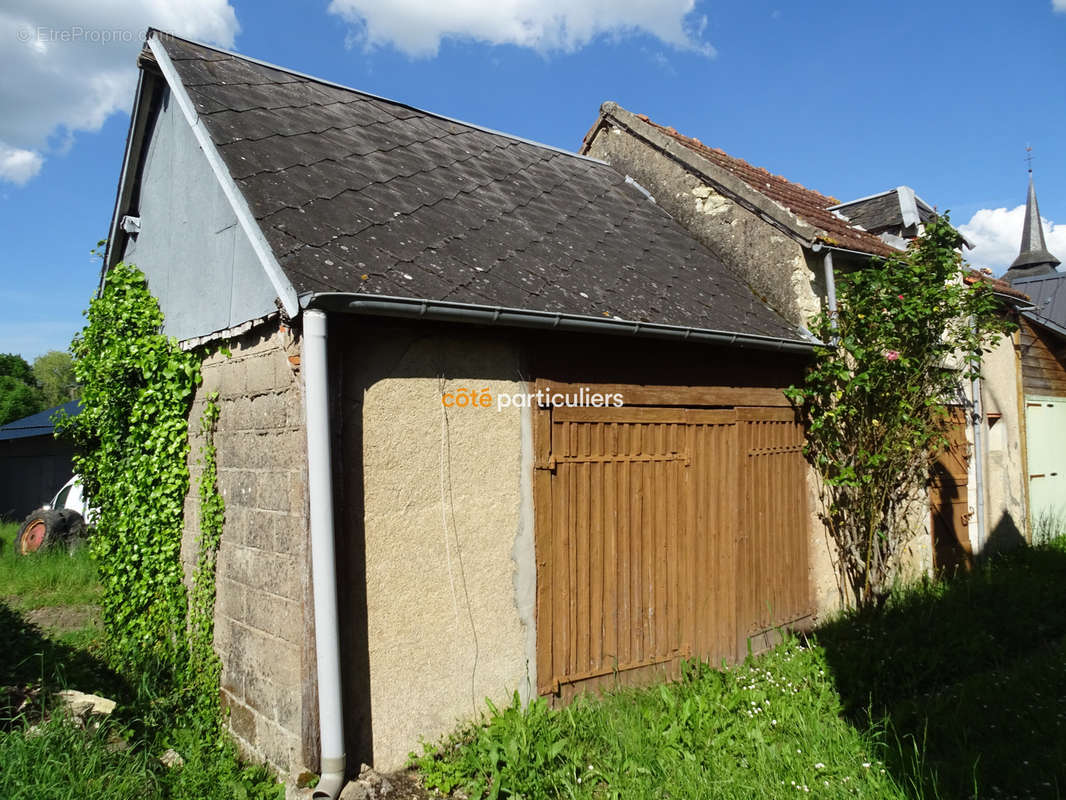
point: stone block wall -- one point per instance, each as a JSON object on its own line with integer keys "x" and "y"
{"x": 772, "y": 264}
{"x": 262, "y": 585}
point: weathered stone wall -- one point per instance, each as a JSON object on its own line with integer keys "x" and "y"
{"x": 770, "y": 262}
{"x": 262, "y": 468}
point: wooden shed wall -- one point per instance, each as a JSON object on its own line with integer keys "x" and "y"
{"x": 1043, "y": 361}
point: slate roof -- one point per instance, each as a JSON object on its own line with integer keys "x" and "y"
{"x": 358, "y": 194}
{"x": 1048, "y": 295}
{"x": 884, "y": 210}
{"x": 39, "y": 424}
{"x": 807, "y": 204}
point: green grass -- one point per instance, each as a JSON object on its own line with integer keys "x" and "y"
{"x": 955, "y": 690}
{"x": 43, "y": 755}
{"x": 51, "y": 578}
{"x": 770, "y": 728}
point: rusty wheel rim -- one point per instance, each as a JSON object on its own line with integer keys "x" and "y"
{"x": 33, "y": 537}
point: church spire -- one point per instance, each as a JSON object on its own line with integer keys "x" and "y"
{"x": 1033, "y": 258}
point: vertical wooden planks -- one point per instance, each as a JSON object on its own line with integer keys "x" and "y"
{"x": 673, "y": 532}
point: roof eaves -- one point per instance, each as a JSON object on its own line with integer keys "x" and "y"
{"x": 1044, "y": 322}
{"x": 239, "y": 204}
{"x": 449, "y": 311}
{"x": 724, "y": 180}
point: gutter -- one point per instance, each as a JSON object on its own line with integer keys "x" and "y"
{"x": 447, "y": 311}
{"x": 323, "y": 557}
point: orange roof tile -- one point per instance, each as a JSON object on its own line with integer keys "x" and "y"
{"x": 807, "y": 204}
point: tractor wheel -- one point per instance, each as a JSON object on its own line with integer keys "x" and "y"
{"x": 41, "y": 529}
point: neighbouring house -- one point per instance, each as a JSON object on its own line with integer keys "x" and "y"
{"x": 34, "y": 463}
{"x": 788, "y": 242}
{"x": 895, "y": 216}
{"x": 432, "y": 493}
{"x": 1042, "y": 343}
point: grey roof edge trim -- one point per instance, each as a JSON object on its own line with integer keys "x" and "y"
{"x": 371, "y": 95}
{"x": 881, "y": 194}
{"x": 263, "y": 250}
{"x": 908, "y": 206}
{"x": 448, "y": 311}
{"x": 862, "y": 199}
{"x": 1044, "y": 322}
{"x": 134, "y": 142}
{"x": 226, "y": 333}
{"x": 736, "y": 189}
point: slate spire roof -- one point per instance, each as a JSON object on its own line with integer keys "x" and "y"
{"x": 361, "y": 195}
{"x": 1033, "y": 258}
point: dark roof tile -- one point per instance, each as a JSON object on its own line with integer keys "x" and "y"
{"x": 362, "y": 195}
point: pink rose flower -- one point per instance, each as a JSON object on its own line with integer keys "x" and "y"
{"x": 891, "y": 355}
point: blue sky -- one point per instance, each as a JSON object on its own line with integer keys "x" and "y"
{"x": 847, "y": 98}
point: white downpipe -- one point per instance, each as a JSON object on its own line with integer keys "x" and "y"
{"x": 830, "y": 288}
{"x": 978, "y": 417}
{"x": 323, "y": 561}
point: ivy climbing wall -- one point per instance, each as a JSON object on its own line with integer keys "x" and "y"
{"x": 263, "y": 590}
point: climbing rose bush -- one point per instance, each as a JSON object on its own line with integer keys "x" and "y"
{"x": 909, "y": 331}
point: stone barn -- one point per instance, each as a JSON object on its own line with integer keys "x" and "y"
{"x": 491, "y": 419}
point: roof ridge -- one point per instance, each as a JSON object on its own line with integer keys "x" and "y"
{"x": 693, "y": 140}
{"x": 326, "y": 82}
{"x": 808, "y": 206}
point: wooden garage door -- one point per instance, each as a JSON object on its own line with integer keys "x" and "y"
{"x": 662, "y": 534}
{"x": 949, "y": 499}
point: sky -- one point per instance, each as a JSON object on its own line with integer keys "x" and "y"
{"x": 846, "y": 98}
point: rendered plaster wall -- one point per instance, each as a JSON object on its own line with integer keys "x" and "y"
{"x": 259, "y": 607}
{"x": 448, "y": 525}
{"x": 826, "y": 592}
{"x": 1005, "y": 471}
{"x": 770, "y": 262}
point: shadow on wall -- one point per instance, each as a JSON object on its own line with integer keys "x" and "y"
{"x": 1004, "y": 536}
{"x": 964, "y": 677}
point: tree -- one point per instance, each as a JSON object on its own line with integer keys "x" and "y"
{"x": 909, "y": 329}
{"x": 19, "y": 394}
{"x": 54, "y": 372}
{"x": 15, "y": 366}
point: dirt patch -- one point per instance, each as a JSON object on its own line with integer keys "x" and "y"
{"x": 406, "y": 785}
{"x": 64, "y": 619}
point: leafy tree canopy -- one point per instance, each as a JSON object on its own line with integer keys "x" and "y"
{"x": 15, "y": 366}
{"x": 54, "y": 372}
{"x": 19, "y": 394}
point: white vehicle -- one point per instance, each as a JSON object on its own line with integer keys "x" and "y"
{"x": 61, "y": 522}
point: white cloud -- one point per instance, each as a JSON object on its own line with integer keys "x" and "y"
{"x": 997, "y": 236}
{"x": 1058, "y": 5}
{"x": 416, "y": 27}
{"x": 66, "y": 66}
{"x": 18, "y": 166}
